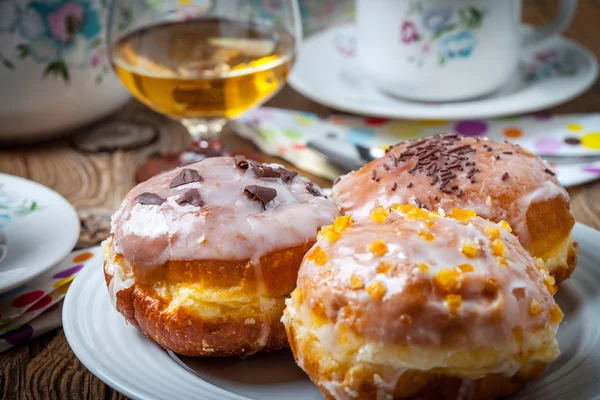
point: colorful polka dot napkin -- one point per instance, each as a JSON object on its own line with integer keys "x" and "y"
{"x": 34, "y": 308}
{"x": 285, "y": 133}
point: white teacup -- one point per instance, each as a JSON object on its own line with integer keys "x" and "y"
{"x": 445, "y": 50}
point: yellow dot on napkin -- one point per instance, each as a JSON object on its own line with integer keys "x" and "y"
{"x": 63, "y": 289}
{"x": 591, "y": 140}
{"x": 432, "y": 122}
{"x": 575, "y": 127}
{"x": 62, "y": 282}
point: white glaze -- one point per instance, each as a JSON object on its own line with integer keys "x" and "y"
{"x": 228, "y": 227}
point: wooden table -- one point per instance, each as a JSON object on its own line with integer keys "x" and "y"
{"x": 46, "y": 368}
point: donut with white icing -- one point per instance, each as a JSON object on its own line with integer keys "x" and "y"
{"x": 201, "y": 258}
{"x": 500, "y": 181}
{"x": 416, "y": 304}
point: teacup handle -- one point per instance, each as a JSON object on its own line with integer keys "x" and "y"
{"x": 556, "y": 26}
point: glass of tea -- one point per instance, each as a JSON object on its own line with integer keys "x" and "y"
{"x": 202, "y": 62}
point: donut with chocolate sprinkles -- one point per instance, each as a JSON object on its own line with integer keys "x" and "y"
{"x": 500, "y": 181}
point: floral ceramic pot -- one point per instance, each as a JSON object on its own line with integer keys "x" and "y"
{"x": 54, "y": 70}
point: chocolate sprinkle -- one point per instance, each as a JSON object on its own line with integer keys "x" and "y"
{"x": 505, "y": 176}
{"x": 339, "y": 178}
{"x": 439, "y": 157}
{"x": 410, "y": 185}
{"x": 260, "y": 193}
{"x": 149, "y": 199}
{"x": 374, "y": 175}
{"x": 549, "y": 172}
{"x": 507, "y": 152}
{"x": 394, "y": 186}
{"x": 185, "y": 176}
{"x": 386, "y": 167}
{"x": 191, "y": 197}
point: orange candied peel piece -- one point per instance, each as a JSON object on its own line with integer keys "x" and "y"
{"x": 429, "y": 223}
{"x": 492, "y": 231}
{"x": 469, "y": 248}
{"x": 328, "y": 232}
{"x": 505, "y": 225}
{"x": 447, "y": 280}
{"x": 498, "y": 247}
{"x": 356, "y": 282}
{"x": 318, "y": 256}
{"x": 454, "y": 302}
{"x": 419, "y": 213}
{"x": 341, "y": 223}
{"x": 427, "y": 236}
{"x": 378, "y": 247}
{"x": 403, "y": 208}
{"x": 502, "y": 261}
{"x": 376, "y": 290}
{"x": 379, "y": 214}
{"x": 556, "y": 314}
{"x": 384, "y": 267}
{"x": 549, "y": 281}
{"x": 462, "y": 215}
{"x": 464, "y": 268}
{"x": 535, "y": 308}
{"x": 423, "y": 267}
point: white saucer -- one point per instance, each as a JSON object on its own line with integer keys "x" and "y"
{"x": 41, "y": 228}
{"x": 128, "y": 362}
{"x": 327, "y": 71}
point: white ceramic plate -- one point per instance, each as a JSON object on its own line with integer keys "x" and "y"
{"x": 125, "y": 360}
{"x": 327, "y": 71}
{"x": 40, "y": 226}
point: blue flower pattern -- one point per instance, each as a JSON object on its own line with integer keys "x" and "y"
{"x": 459, "y": 45}
{"x": 449, "y": 33}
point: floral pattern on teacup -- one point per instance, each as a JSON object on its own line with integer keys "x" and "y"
{"x": 441, "y": 33}
{"x": 60, "y": 34}
{"x": 549, "y": 64}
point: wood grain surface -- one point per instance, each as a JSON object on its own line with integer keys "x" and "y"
{"x": 46, "y": 368}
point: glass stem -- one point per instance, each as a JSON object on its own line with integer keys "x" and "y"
{"x": 204, "y": 129}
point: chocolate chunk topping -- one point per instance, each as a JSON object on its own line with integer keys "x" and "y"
{"x": 268, "y": 172}
{"x": 240, "y": 162}
{"x": 310, "y": 186}
{"x": 192, "y": 197}
{"x": 260, "y": 193}
{"x": 287, "y": 176}
{"x": 149, "y": 199}
{"x": 185, "y": 176}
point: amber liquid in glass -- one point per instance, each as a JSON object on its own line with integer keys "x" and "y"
{"x": 204, "y": 68}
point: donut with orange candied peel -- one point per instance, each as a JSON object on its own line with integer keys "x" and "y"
{"x": 409, "y": 303}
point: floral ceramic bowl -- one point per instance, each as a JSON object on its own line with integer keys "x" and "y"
{"x": 54, "y": 70}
